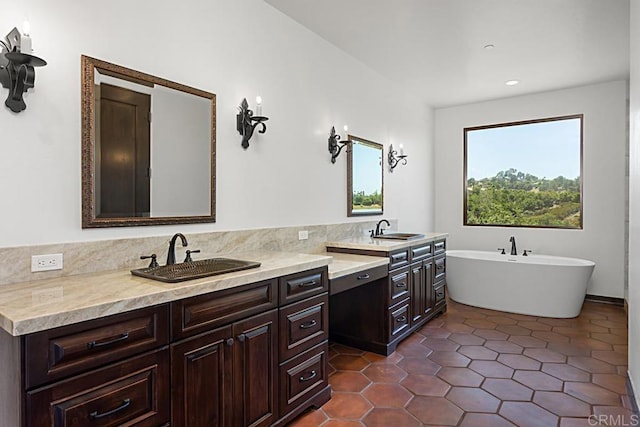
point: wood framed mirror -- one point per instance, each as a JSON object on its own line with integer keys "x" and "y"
{"x": 148, "y": 149}
{"x": 364, "y": 177}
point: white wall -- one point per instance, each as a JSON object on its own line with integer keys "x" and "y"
{"x": 235, "y": 49}
{"x": 634, "y": 204}
{"x": 602, "y": 239}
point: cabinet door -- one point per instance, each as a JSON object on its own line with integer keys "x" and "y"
{"x": 201, "y": 379}
{"x": 255, "y": 370}
{"x": 417, "y": 292}
{"x": 422, "y": 292}
{"x": 429, "y": 292}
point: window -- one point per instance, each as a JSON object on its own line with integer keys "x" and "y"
{"x": 524, "y": 174}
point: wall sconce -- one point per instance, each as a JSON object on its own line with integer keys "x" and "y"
{"x": 395, "y": 158}
{"x": 17, "y": 67}
{"x": 334, "y": 145}
{"x": 246, "y": 122}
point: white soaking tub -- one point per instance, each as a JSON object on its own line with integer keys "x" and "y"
{"x": 538, "y": 285}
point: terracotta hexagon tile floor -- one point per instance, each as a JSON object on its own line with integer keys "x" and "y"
{"x": 473, "y": 367}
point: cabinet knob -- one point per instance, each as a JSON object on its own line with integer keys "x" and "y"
{"x": 241, "y": 337}
{"x": 230, "y": 342}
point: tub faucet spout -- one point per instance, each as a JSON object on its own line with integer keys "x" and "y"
{"x": 512, "y": 240}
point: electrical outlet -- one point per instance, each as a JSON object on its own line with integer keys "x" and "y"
{"x": 303, "y": 235}
{"x": 46, "y": 262}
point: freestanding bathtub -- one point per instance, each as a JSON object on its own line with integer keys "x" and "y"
{"x": 538, "y": 285}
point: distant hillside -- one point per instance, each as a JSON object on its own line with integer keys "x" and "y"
{"x": 517, "y": 198}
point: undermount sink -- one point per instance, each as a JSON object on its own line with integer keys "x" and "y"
{"x": 399, "y": 236}
{"x": 194, "y": 270}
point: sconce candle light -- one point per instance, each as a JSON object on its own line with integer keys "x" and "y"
{"x": 334, "y": 145}
{"x": 246, "y": 122}
{"x": 17, "y": 67}
{"x": 394, "y": 158}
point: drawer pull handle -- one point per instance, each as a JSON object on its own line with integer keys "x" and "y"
{"x": 308, "y": 284}
{"x": 308, "y": 325}
{"x": 363, "y": 276}
{"x": 94, "y": 344}
{"x": 401, "y": 319}
{"x": 96, "y": 416}
{"x": 310, "y": 377}
{"x": 401, "y": 285}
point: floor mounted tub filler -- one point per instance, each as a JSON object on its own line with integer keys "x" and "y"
{"x": 537, "y": 285}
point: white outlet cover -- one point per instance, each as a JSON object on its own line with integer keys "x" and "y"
{"x": 303, "y": 235}
{"x": 46, "y": 262}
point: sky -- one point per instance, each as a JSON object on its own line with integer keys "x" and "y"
{"x": 367, "y": 170}
{"x": 544, "y": 149}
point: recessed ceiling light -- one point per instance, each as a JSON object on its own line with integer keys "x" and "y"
{"x": 512, "y": 82}
{"x": 488, "y": 47}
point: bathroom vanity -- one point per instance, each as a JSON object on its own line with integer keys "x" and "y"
{"x": 376, "y": 308}
{"x": 240, "y": 349}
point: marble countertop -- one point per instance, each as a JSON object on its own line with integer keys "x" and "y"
{"x": 383, "y": 245}
{"x": 345, "y": 264}
{"x": 44, "y": 304}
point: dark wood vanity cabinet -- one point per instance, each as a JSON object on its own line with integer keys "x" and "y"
{"x": 255, "y": 355}
{"x": 108, "y": 372}
{"x": 379, "y": 314}
{"x": 241, "y": 357}
{"x": 263, "y": 369}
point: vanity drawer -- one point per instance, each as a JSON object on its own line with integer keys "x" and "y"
{"x": 303, "y": 325}
{"x": 131, "y": 392}
{"x": 398, "y": 286}
{"x": 303, "y": 376}
{"x": 57, "y": 353}
{"x": 440, "y": 247}
{"x": 398, "y": 259}
{"x": 296, "y": 287}
{"x": 360, "y": 278}
{"x": 398, "y": 319}
{"x": 204, "y": 312}
{"x": 440, "y": 268}
{"x": 419, "y": 253}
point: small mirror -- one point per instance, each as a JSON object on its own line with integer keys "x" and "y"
{"x": 364, "y": 177}
{"x": 148, "y": 149}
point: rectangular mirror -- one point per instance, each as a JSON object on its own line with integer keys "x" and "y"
{"x": 364, "y": 177}
{"x": 148, "y": 149}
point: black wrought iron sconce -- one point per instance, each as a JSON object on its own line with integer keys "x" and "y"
{"x": 335, "y": 146}
{"x": 246, "y": 122}
{"x": 17, "y": 71}
{"x": 395, "y": 158}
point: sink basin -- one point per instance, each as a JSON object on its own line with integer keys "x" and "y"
{"x": 399, "y": 236}
{"x": 194, "y": 270}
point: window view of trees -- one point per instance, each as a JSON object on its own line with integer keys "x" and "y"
{"x": 517, "y": 198}
{"x": 508, "y": 168}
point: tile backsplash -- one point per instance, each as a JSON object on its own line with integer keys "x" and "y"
{"x": 101, "y": 255}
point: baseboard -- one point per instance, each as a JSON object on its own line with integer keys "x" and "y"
{"x": 605, "y": 300}
{"x": 632, "y": 396}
